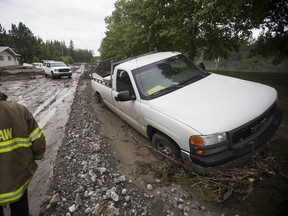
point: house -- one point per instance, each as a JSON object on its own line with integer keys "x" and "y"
{"x": 8, "y": 57}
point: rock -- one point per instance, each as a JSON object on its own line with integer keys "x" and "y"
{"x": 94, "y": 178}
{"x": 114, "y": 196}
{"x": 102, "y": 170}
{"x": 179, "y": 200}
{"x": 72, "y": 208}
{"x": 149, "y": 187}
{"x": 80, "y": 189}
{"x": 92, "y": 193}
{"x": 196, "y": 205}
{"x": 127, "y": 198}
{"x": 124, "y": 192}
{"x": 97, "y": 147}
{"x": 186, "y": 209}
{"x": 78, "y": 199}
{"x": 122, "y": 178}
{"x": 55, "y": 199}
{"x": 103, "y": 209}
{"x": 173, "y": 190}
{"x": 88, "y": 210}
{"x": 91, "y": 173}
{"x": 83, "y": 176}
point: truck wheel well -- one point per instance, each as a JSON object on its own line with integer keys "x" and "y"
{"x": 99, "y": 98}
{"x": 151, "y": 131}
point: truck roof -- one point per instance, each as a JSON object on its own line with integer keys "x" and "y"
{"x": 146, "y": 60}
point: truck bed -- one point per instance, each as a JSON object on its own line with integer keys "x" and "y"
{"x": 106, "y": 80}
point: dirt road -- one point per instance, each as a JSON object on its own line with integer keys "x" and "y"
{"x": 49, "y": 101}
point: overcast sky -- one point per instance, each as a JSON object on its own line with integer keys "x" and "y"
{"x": 81, "y": 21}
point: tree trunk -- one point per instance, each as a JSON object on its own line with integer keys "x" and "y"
{"x": 191, "y": 51}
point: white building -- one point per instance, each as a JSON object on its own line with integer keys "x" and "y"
{"x": 8, "y": 57}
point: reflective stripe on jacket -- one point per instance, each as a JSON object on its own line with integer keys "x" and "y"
{"x": 21, "y": 143}
{"x": 14, "y": 143}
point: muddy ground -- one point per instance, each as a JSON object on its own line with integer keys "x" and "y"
{"x": 96, "y": 164}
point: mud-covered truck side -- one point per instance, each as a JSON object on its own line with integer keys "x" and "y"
{"x": 209, "y": 120}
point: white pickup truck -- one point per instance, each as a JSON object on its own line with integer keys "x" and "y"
{"x": 56, "y": 69}
{"x": 210, "y": 121}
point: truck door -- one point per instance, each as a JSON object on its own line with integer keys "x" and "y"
{"x": 128, "y": 110}
{"x": 48, "y": 69}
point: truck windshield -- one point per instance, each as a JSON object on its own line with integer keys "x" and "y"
{"x": 58, "y": 64}
{"x": 165, "y": 76}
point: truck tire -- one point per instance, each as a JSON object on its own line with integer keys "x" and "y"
{"x": 165, "y": 145}
{"x": 52, "y": 75}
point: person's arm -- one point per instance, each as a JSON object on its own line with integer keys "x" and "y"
{"x": 36, "y": 136}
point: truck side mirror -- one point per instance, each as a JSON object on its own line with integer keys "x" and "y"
{"x": 125, "y": 96}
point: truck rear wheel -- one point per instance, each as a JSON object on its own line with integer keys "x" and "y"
{"x": 165, "y": 145}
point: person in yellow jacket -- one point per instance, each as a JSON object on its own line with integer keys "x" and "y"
{"x": 21, "y": 143}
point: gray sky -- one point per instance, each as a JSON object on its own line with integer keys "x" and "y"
{"x": 63, "y": 20}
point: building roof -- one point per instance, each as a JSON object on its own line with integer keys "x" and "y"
{"x": 8, "y": 49}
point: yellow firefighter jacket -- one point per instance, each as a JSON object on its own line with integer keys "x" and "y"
{"x": 21, "y": 143}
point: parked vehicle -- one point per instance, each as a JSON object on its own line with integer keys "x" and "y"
{"x": 210, "y": 121}
{"x": 56, "y": 69}
{"x": 37, "y": 65}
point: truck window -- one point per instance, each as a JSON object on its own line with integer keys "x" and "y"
{"x": 167, "y": 75}
{"x": 123, "y": 82}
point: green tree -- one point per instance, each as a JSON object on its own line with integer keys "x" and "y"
{"x": 3, "y": 37}
{"x": 34, "y": 49}
{"x": 23, "y": 41}
{"x": 82, "y": 55}
{"x": 214, "y": 28}
{"x": 67, "y": 59}
{"x": 40, "y": 51}
{"x": 187, "y": 26}
{"x": 71, "y": 48}
{"x": 272, "y": 17}
{"x": 118, "y": 40}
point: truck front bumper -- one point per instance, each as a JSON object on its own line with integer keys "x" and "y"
{"x": 60, "y": 74}
{"x": 236, "y": 153}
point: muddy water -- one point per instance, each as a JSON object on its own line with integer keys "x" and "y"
{"x": 49, "y": 101}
